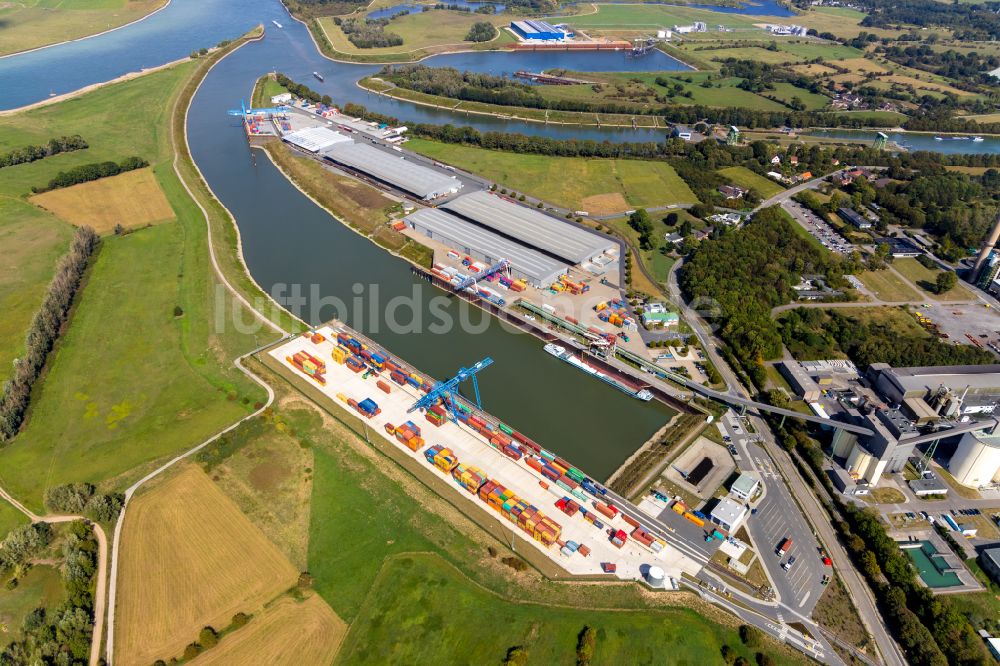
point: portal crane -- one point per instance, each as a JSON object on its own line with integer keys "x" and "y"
{"x": 445, "y": 391}
{"x": 502, "y": 266}
{"x": 243, "y": 111}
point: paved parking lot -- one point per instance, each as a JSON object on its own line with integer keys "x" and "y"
{"x": 819, "y": 228}
{"x": 959, "y": 322}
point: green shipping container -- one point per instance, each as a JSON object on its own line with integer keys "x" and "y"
{"x": 564, "y": 486}
{"x": 575, "y": 474}
{"x": 506, "y": 428}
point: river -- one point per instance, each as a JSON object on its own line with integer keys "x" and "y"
{"x": 289, "y": 240}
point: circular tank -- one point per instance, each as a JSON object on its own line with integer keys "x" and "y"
{"x": 976, "y": 460}
{"x": 655, "y": 576}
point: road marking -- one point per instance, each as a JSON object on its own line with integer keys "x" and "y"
{"x": 805, "y": 599}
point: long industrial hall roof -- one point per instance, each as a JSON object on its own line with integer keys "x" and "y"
{"x": 538, "y": 267}
{"x": 393, "y": 169}
{"x": 531, "y": 227}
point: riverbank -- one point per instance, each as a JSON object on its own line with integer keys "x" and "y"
{"x": 156, "y": 6}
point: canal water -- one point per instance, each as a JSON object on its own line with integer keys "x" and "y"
{"x": 288, "y": 240}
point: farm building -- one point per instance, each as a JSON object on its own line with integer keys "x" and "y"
{"x": 484, "y": 245}
{"x": 537, "y": 30}
{"x": 530, "y": 227}
{"x": 315, "y": 139}
{"x": 394, "y": 170}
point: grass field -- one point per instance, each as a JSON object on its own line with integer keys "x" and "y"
{"x": 423, "y": 33}
{"x": 723, "y": 93}
{"x": 421, "y": 610}
{"x": 10, "y": 518}
{"x": 32, "y": 242}
{"x": 41, "y": 587}
{"x": 639, "y": 16}
{"x": 595, "y": 185}
{"x": 121, "y": 393}
{"x": 744, "y": 177}
{"x": 287, "y": 633}
{"x": 924, "y": 278}
{"x": 190, "y": 559}
{"x": 130, "y": 382}
{"x": 28, "y": 24}
{"x": 133, "y": 199}
{"x": 887, "y": 286}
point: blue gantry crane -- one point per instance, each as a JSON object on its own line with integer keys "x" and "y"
{"x": 243, "y": 111}
{"x": 501, "y": 266}
{"x": 444, "y": 391}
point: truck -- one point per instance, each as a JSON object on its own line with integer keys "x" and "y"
{"x": 783, "y": 547}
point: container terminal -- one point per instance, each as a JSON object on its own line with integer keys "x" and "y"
{"x": 542, "y": 498}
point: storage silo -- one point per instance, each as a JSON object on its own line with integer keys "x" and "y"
{"x": 655, "y": 576}
{"x": 977, "y": 459}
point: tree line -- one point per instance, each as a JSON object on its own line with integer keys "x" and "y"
{"x": 61, "y": 635}
{"x": 88, "y": 172}
{"x": 25, "y": 154}
{"x": 475, "y": 87}
{"x": 302, "y": 91}
{"x": 44, "y": 330}
{"x": 818, "y": 333}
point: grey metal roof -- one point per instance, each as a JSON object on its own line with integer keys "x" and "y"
{"x": 393, "y": 169}
{"x": 530, "y": 226}
{"x": 957, "y": 377}
{"x": 452, "y": 230}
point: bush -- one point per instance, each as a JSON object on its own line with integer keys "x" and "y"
{"x": 69, "y": 498}
{"x": 585, "y": 645}
{"x": 208, "y": 638}
{"x": 240, "y": 619}
{"x": 515, "y": 563}
{"x": 751, "y": 636}
{"x": 481, "y": 31}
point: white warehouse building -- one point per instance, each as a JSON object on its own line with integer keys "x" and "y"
{"x": 394, "y": 170}
{"x": 484, "y": 245}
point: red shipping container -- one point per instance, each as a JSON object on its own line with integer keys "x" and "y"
{"x": 382, "y": 385}
{"x": 604, "y": 510}
{"x": 534, "y": 463}
{"x": 630, "y": 520}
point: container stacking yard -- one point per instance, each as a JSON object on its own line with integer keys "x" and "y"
{"x": 545, "y": 501}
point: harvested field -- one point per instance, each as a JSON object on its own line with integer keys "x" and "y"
{"x": 289, "y": 632}
{"x": 133, "y": 199}
{"x": 191, "y": 560}
{"x": 604, "y": 204}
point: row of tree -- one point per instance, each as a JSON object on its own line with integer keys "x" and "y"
{"x": 818, "y": 333}
{"x": 62, "y": 636}
{"x": 475, "y": 87}
{"x": 27, "y": 154}
{"x": 44, "y": 330}
{"x": 88, "y": 172}
{"x": 302, "y": 91}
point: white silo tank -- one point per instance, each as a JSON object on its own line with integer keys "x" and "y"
{"x": 655, "y": 576}
{"x": 976, "y": 460}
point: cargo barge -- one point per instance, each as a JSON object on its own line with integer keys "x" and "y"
{"x": 566, "y": 356}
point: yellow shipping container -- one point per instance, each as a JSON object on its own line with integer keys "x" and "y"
{"x": 339, "y": 355}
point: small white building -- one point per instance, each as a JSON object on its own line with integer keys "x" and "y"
{"x": 283, "y": 98}
{"x": 744, "y": 487}
{"x": 728, "y": 514}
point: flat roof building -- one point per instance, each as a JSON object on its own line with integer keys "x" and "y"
{"x": 978, "y": 385}
{"x": 394, "y": 170}
{"x": 537, "y": 30}
{"x": 486, "y": 246}
{"x": 901, "y": 247}
{"x": 800, "y": 381}
{"x": 851, "y": 216}
{"x": 744, "y": 487}
{"x": 728, "y": 514}
{"x": 989, "y": 560}
{"x": 530, "y": 227}
{"x": 315, "y": 139}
